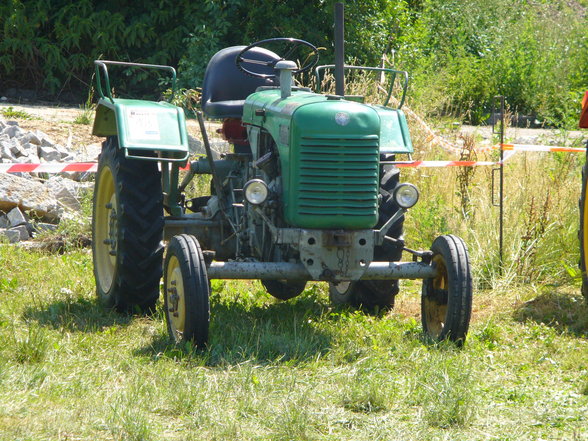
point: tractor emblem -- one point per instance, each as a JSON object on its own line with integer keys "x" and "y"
{"x": 342, "y": 118}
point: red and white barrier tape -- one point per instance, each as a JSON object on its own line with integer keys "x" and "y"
{"x": 539, "y": 148}
{"x": 54, "y": 167}
{"x": 93, "y": 166}
{"x": 419, "y": 164}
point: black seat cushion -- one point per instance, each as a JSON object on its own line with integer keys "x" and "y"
{"x": 225, "y": 87}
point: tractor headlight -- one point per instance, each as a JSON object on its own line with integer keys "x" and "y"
{"x": 256, "y": 191}
{"x": 406, "y": 195}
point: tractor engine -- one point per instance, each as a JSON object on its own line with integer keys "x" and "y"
{"x": 323, "y": 152}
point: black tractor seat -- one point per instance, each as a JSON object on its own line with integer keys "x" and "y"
{"x": 225, "y": 87}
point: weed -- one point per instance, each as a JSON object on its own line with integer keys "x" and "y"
{"x": 31, "y": 347}
{"x": 86, "y": 115}
{"x": 11, "y": 113}
{"x": 465, "y": 175}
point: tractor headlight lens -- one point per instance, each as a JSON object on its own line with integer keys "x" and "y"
{"x": 256, "y": 191}
{"x": 406, "y": 195}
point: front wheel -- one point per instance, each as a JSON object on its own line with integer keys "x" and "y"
{"x": 446, "y": 303}
{"x": 186, "y": 291}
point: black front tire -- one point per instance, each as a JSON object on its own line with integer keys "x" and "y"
{"x": 127, "y": 231}
{"x": 186, "y": 291}
{"x": 446, "y": 302}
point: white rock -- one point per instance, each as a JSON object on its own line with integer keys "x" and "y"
{"x": 48, "y": 153}
{"x": 16, "y": 217}
{"x": 65, "y": 191}
{"x": 27, "y": 195}
{"x": 41, "y": 227}
{"x": 6, "y": 151}
{"x": 89, "y": 153}
{"x": 12, "y": 130}
{"x": 12, "y": 236}
{"x": 16, "y": 149}
{"x": 64, "y": 152}
{"x": 47, "y": 142}
{"x": 32, "y": 157}
{"x": 3, "y": 98}
{"x": 30, "y": 138}
{"x": 22, "y": 231}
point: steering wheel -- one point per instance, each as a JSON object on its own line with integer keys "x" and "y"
{"x": 293, "y": 44}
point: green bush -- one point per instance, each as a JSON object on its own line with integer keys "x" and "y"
{"x": 52, "y": 45}
{"x": 460, "y": 53}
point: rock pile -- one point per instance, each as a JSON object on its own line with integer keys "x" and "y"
{"x": 16, "y": 226}
{"x": 46, "y": 199}
{"x": 18, "y": 145}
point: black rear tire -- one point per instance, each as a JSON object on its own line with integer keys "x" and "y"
{"x": 186, "y": 291}
{"x": 284, "y": 289}
{"x": 446, "y": 302}
{"x": 127, "y": 231}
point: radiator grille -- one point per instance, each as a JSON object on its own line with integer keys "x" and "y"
{"x": 338, "y": 177}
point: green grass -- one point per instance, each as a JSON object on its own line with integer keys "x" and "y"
{"x": 298, "y": 370}
{"x": 11, "y": 113}
{"x": 303, "y": 369}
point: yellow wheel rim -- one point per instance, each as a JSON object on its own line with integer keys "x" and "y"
{"x": 585, "y": 232}
{"x": 436, "y": 314}
{"x": 175, "y": 298}
{"x": 105, "y": 230}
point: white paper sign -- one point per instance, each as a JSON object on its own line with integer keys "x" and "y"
{"x": 143, "y": 124}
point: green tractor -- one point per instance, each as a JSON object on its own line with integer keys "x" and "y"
{"x": 309, "y": 192}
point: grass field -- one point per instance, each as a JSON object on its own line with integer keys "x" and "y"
{"x": 305, "y": 370}
{"x": 300, "y": 370}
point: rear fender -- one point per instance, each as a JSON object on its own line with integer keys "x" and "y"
{"x": 144, "y": 128}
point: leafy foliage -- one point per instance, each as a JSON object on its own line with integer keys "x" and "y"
{"x": 460, "y": 53}
{"x": 53, "y": 45}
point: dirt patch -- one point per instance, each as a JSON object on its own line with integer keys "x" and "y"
{"x": 57, "y": 122}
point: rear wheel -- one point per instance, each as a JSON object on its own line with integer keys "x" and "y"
{"x": 186, "y": 291}
{"x": 583, "y": 232}
{"x": 284, "y": 289}
{"x": 127, "y": 230}
{"x": 447, "y": 298}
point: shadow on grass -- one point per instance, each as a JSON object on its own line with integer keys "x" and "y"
{"x": 75, "y": 315}
{"x": 284, "y": 332}
{"x": 561, "y": 311}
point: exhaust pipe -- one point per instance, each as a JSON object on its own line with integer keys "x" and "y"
{"x": 339, "y": 49}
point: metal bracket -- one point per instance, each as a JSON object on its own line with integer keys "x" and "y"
{"x": 380, "y": 234}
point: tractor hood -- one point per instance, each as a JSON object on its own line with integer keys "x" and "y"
{"x": 329, "y": 151}
{"x": 338, "y": 116}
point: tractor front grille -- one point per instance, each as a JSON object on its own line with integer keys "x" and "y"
{"x": 338, "y": 181}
